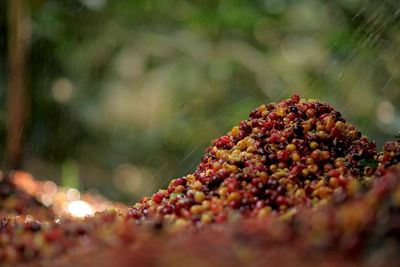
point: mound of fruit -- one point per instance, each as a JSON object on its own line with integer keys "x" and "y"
{"x": 285, "y": 156}
{"x": 293, "y": 185}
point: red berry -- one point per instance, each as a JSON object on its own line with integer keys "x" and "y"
{"x": 296, "y": 98}
{"x": 158, "y": 197}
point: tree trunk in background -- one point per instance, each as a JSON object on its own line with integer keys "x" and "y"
{"x": 16, "y": 102}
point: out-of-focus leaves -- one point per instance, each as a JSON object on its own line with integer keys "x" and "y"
{"x": 149, "y": 83}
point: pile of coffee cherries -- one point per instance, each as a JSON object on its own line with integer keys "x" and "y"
{"x": 293, "y": 185}
{"x": 286, "y": 155}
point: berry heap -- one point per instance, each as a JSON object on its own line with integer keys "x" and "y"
{"x": 290, "y": 154}
{"x": 305, "y": 186}
{"x": 16, "y": 201}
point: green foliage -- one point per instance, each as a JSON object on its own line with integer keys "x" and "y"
{"x": 149, "y": 83}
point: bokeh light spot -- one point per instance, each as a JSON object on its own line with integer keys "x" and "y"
{"x": 385, "y": 112}
{"x": 62, "y": 90}
{"x": 80, "y": 209}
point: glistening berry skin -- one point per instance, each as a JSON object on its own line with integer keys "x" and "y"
{"x": 289, "y": 154}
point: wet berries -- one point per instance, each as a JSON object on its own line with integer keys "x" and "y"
{"x": 294, "y": 176}
{"x": 288, "y": 148}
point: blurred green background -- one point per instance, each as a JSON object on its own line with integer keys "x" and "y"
{"x": 122, "y": 96}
